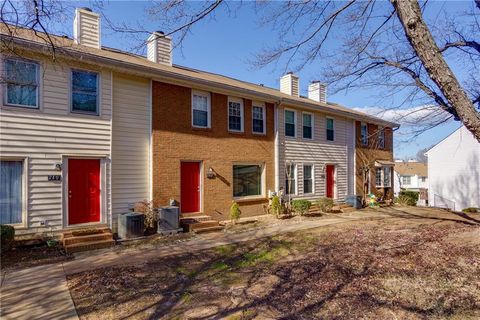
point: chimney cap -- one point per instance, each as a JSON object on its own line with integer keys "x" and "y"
{"x": 160, "y": 32}
{"x": 86, "y": 9}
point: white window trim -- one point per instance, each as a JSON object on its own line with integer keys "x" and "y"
{"x": 313, "y": 178}
{"x": 242, "y": 115}
{"x": 294, "y": 123}
{"x": 404, "y": 183}
{"x": 39, "y": 85}
{"x": 295, "y": 186}
{"x": 209, "y": 107}
{"x": 381, "y": 177}
{"x": 99, "y": 94}
{"x": 326, "y": 129}
{"x": 260, "y": 105}
{"x": 313, "y": 125}
{"x": 24, "y": 223}
{"x": 263, "y": 181}
{"x": 363, "y": 124}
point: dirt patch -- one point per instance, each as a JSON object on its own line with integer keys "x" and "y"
{"x": 32, "y": 256}
{"x": 391, "y": 268}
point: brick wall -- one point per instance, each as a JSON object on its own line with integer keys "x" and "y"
{"x": 175, "y": 140}
{"x": 367, "y": 155}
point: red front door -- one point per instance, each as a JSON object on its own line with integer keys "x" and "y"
{"x": 83, "y": 191}
{"x": 190, "y": 187}
{"x": 330, "y": 181}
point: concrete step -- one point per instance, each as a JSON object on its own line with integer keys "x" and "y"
{"x": 209, "y": 229}
{"x": 86, "y": 246}
{"x": 87, "y": 238}
{"x": 84, "y": 231}
{"x": 204, "y": 224}
{"x": 197, "y": 217}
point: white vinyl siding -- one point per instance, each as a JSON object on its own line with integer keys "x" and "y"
{"x": 130, "y": 143}
{"x": 46, "y": 136}
{"x": 319, "y": 152}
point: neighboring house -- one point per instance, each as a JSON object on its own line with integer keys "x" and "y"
{"x": 84, "y": 137}
{"x": 410, "y": 175}
{"x": 374, "y": 159}
{"x": 454, "y": 171}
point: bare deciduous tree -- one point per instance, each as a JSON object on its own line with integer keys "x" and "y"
{"x": 365, "y": 44}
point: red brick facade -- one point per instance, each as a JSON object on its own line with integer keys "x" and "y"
{"x": 175, "y": 140}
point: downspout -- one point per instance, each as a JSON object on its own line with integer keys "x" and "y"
{"x": 277, "y": 149}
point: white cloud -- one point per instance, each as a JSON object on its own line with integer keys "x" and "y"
{"x": 418, "y": 115}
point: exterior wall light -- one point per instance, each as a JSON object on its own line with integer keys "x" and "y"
{"x": 211, "y": 173}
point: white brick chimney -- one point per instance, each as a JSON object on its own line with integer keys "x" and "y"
{"x": 86, "y": 28}
{"x": 159, "y": 48}
{"x": 317, "y": 91}
{"x": 290, "y": 84}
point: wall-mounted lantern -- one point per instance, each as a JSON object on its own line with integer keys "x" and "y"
{"x": 58, "y": 166}
{"x": 211, "y": 173}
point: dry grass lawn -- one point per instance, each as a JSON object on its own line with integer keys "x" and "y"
{"x": 413, "y": 264}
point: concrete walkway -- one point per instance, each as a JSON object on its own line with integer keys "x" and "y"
{"x": 42, "y": 292}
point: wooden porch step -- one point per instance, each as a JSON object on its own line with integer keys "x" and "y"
{"x": 204, "y": 224}
{"x": 84, "y": 239}
{"x": 86, "y": 246}
{"x": 87, "y": 238}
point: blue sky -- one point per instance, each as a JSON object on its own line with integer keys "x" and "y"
{"x": 227, "y": 43}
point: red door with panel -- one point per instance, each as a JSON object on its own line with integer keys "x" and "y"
{"x": 190, "y": 187}
{"x": 330, "y": 169}
{"x": 83, "y": 191}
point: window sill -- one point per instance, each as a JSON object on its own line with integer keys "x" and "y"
{"x": 16, "y": 107}
{"x": 236, "y": 132}
{"x": 250, "y": 198}
{"x": 259, "y": 133}
{"x": 202, "y": 129}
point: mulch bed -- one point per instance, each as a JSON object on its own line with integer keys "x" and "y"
{"x": 32, "y": 256}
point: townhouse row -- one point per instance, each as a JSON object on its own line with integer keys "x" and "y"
{"x": 86, "y": 135}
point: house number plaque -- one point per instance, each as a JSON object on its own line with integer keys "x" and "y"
{"x": 55, "y": 177}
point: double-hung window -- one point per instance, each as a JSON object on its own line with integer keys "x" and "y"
{"x": 21, "y": 88}
{"x": 235, "y": 114}
{"x": 307, "y": 179}
{"x": 290, "y": 181}
{"x": 383, "y": 176}
{"x": 247, "y": 180}
{"x": 378, "y": 177}
{"x": 330, "y": 129}
{"x": 364, "y": 134}
{"x": 386, "y": 177}
{"x": 381, "y": 138}
{"x": 290, "y": 123}
{"x": 85, "y": 98}
{"x": 307, "y": 126}
{"x": 258, "y": 118}
{"x": 200, "y": 109}
{"x": 11, "y": 191}
{"x": 406, "y": 180}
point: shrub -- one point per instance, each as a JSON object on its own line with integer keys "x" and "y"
{"x": 276, "y": 205}
{"x": 471, "y": 210}
{"x": 148, "y": 209}
{"x": 301, "y": 206}
{"x": 325, "y": 204}
{"x": 235, "y": 212}
{"x": 7, "y": 235}
{"x": 408, "y": 198}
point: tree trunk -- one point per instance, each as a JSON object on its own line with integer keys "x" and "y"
{"x": 421, "y": 40}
